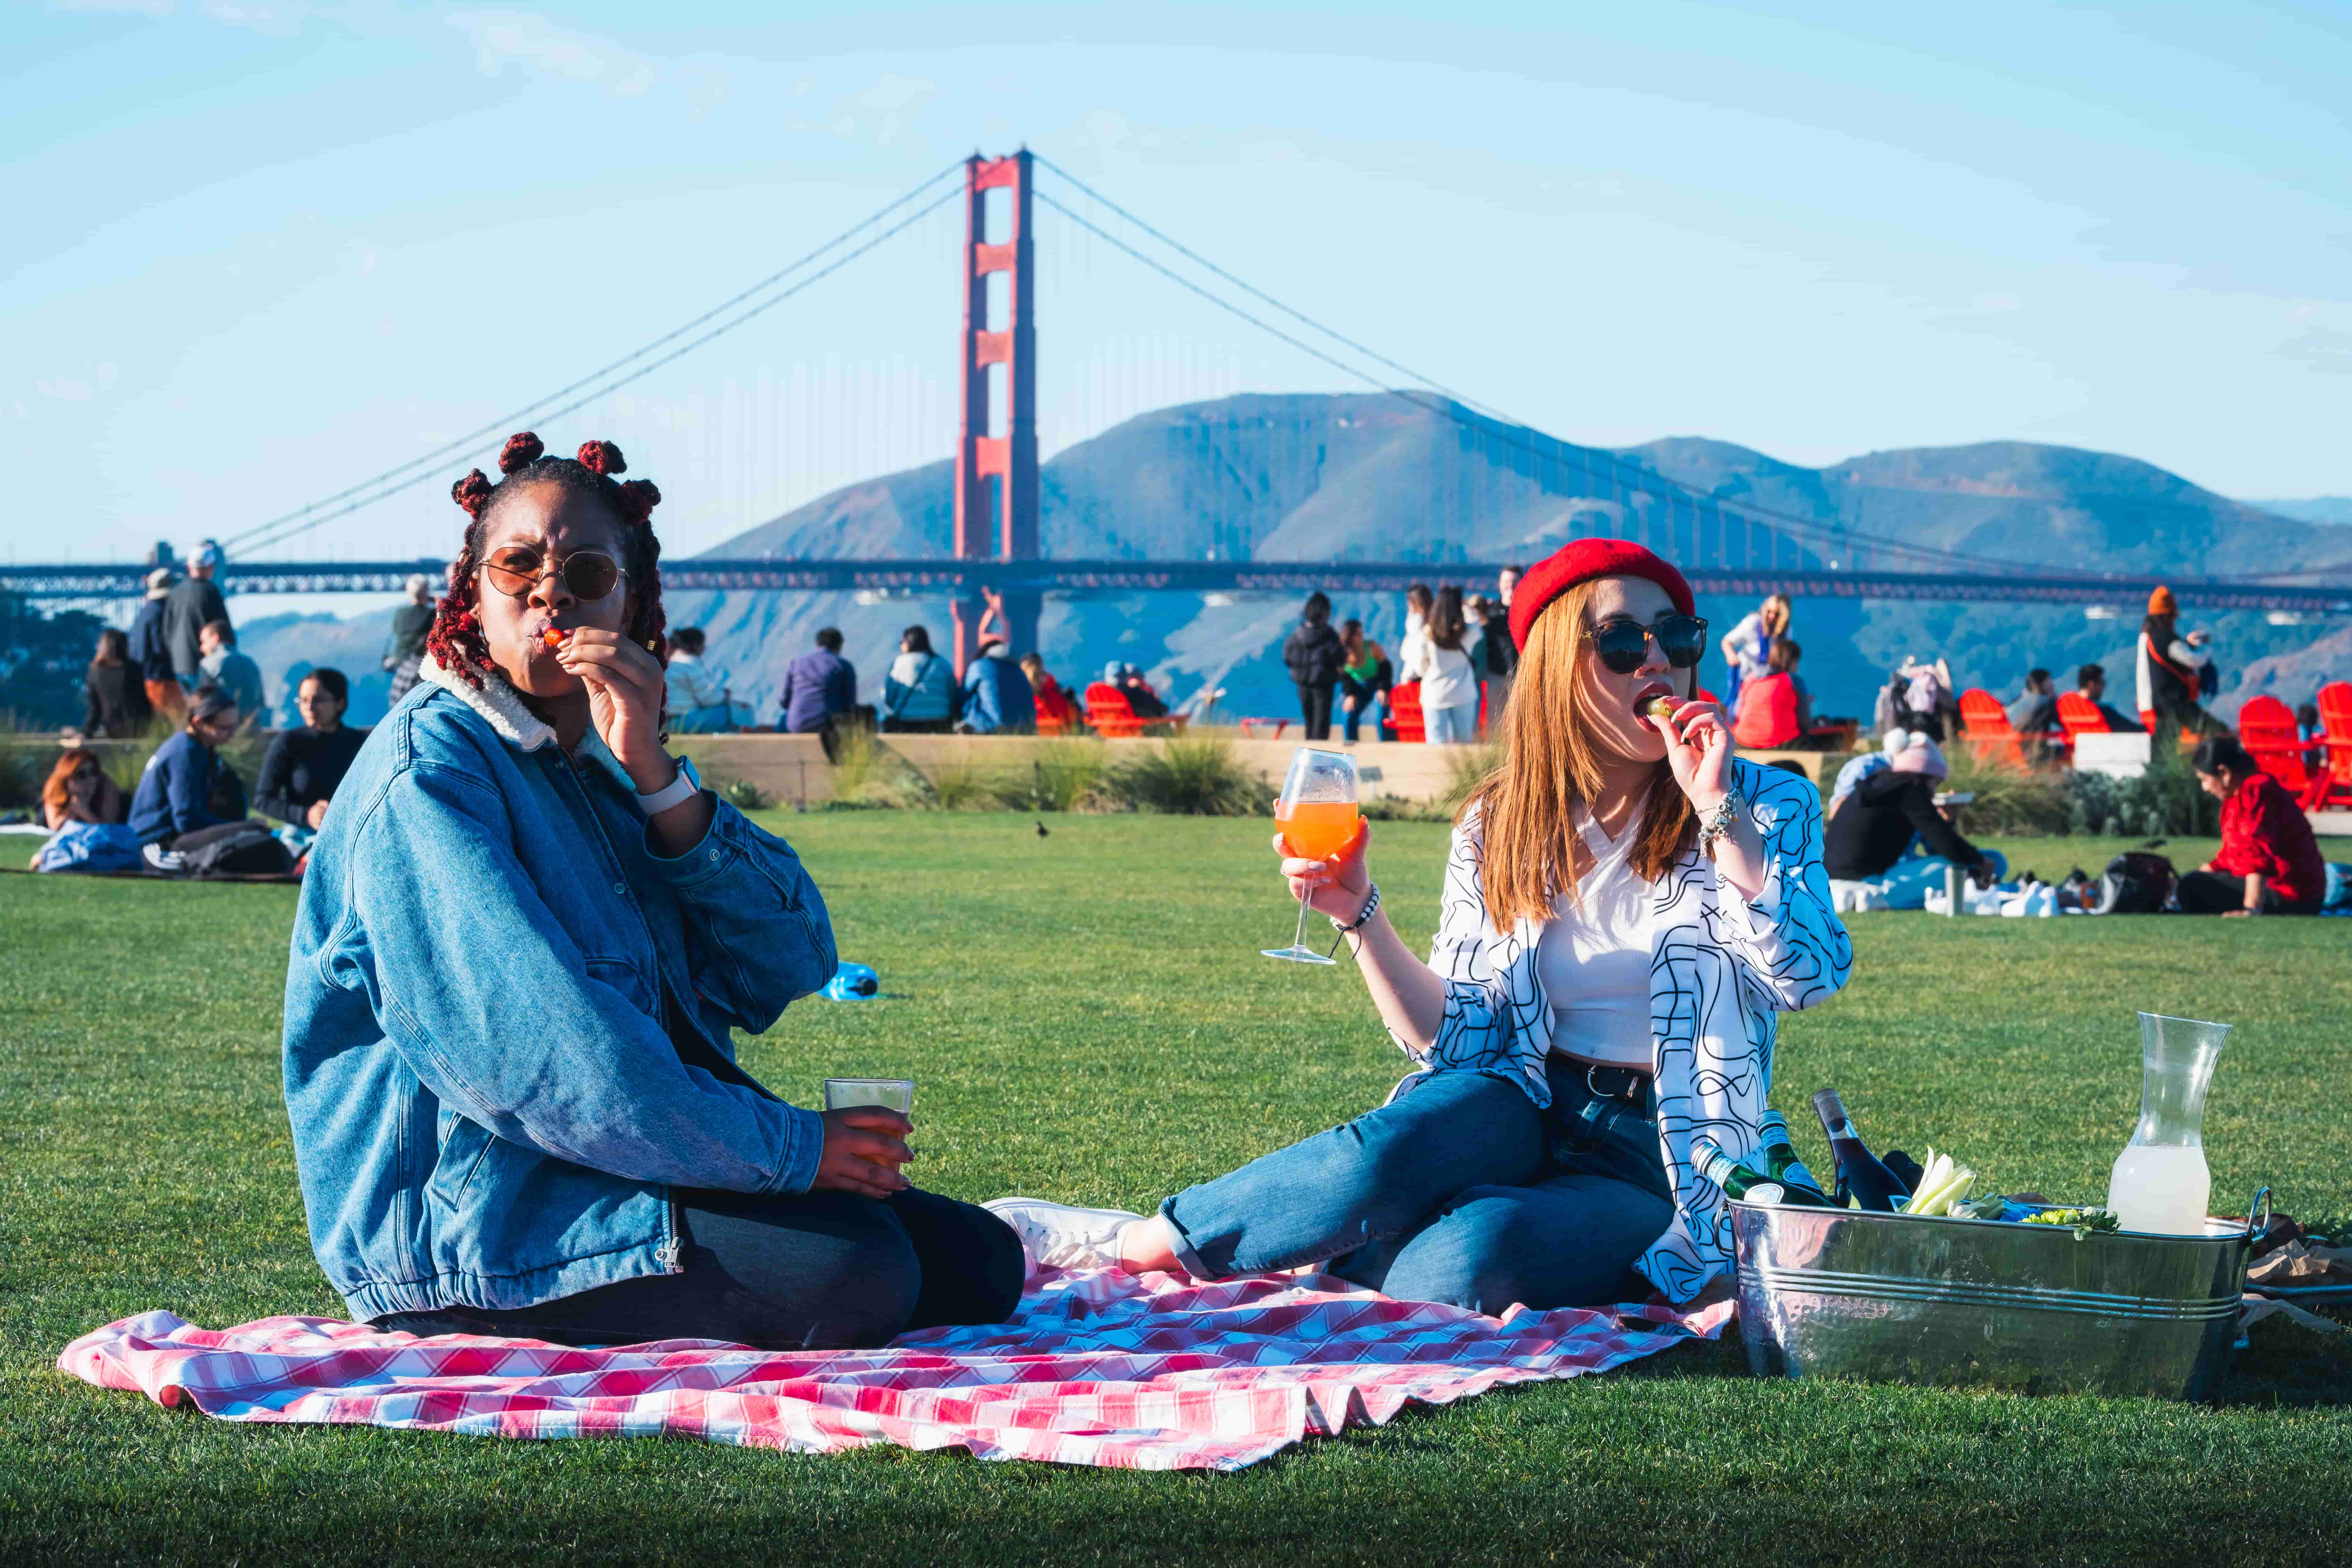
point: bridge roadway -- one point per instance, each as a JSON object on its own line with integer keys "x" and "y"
{"x": 701, "y": 573}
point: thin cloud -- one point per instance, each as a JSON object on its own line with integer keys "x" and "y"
{"x": 521, "y": 39}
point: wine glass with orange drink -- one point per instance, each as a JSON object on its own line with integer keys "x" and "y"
{"x": 1316, "y": 815}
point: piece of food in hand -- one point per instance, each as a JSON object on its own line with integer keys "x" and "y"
{"x": 552, "y": 638}
{"x": 1660, "y": 707}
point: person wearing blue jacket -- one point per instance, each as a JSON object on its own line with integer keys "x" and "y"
{"x": 525, "y": 937}
{"x": 176, "y": 791}
{"x": 997, "y": 699}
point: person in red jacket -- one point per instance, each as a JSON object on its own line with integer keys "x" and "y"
{"x": 2269, "y": 863}
{"x": 1775, "y": 709}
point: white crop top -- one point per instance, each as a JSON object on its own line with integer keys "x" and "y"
{"x": 1594, "y": 956}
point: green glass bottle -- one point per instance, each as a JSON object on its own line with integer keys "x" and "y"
{"x": 1746, "y": 1183}
{"x": 1779, "y": 1157}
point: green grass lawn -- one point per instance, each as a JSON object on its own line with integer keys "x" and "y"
{"x": 1086, "y": 1015}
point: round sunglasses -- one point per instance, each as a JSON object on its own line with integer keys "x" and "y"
{"x": 1624, "y": 643}
{"x": 587, "y": 575}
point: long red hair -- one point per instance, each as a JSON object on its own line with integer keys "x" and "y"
{"x": 1551, "y": 763}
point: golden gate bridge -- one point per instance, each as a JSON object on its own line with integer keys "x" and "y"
{"x": 1727, "y": 544}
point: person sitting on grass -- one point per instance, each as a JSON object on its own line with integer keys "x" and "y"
{"x": 186, "y": 791}
{"x": 78, "y": 791}
{"x": 305, "y": 764}
{"x": 1627, "y": 908}
{"x": 918, "y": 692}
{"x": 526, "y": 935}
{"x": 1870, "y": 833}
{"x": 2269, "y": 862}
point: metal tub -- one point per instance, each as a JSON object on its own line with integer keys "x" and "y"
{"x": 1984, "y": 1304}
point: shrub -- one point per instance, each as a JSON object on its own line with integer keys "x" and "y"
{"x": 1190, "y": 778}
{"x": 1068, "y": 775}
{"x": 2011, "y": 801}
{"x": 966, "y": 786}
{"x": 744, "y": 795}
{"x": 2163, "y": 801}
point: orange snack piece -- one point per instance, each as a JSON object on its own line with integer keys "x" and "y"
{"x": 552, "y": 638}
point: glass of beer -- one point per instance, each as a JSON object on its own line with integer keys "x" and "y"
{"x": 1317, "y": 813}
{"x": 890, "y": 1093}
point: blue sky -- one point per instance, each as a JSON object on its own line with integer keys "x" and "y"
{"x": 260, "y": 249}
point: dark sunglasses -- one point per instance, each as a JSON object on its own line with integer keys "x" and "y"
{"x": 589, "y": 575}
{"x": 1624, "y": 643}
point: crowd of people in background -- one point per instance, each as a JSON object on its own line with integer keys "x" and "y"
{"x": 1886, "y": 835}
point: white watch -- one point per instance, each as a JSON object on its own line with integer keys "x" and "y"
{"x": 685, "y": 784}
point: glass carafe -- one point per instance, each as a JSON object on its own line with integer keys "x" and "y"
{"x": 2160, "y": 1184}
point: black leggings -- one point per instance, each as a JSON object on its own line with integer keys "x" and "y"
{"x": 2218, "y": 892}
{"x": 820, "y": 1271}
{"x": 1315, "y": 708}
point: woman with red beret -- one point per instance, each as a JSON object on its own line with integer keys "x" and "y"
{"x": 1627, "y": 909}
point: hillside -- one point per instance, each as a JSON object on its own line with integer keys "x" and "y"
{"x": 1312, "y": 477}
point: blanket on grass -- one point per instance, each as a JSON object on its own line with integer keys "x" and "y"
{"x": 1153, "y": 1372}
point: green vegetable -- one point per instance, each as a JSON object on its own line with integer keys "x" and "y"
{"x": 2084, "y": 1221}
{"x": 1943, "y": 1183}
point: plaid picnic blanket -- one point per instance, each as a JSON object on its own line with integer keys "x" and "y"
{"x": 1098, "y": 1367}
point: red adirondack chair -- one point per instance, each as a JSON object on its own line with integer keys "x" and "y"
{"x": 1404, "y": 706}
{"x": 1110, "y": 714}
{"x": 1985, "y": 726}
{"x": 2078, "y": 715}
{"x": 2331, "y": 790}
{"x": 2266, "y": 729}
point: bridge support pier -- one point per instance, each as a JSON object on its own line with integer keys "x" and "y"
{"x": 996, "y": 475}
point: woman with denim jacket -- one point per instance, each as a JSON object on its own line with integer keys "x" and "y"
{"x": 1627, "y": 909}
{"x": 526, "y": 935}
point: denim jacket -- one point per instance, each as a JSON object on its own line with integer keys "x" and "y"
{"x": 507, "y": 1017}
{"x": 1722, "y": 970}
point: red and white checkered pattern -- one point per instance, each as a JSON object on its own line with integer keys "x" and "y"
{"x": 1153, "y": 1372}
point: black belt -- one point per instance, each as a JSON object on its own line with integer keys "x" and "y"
{"x": 1629, "y": 1086}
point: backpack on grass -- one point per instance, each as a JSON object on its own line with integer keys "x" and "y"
{"x": 2137, "y": 883}
{"x": 253, "y": 853}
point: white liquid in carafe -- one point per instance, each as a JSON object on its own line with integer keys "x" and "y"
{"x": 2162, "y": 1188}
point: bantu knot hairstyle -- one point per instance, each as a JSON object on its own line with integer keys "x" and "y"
{"x": 456, "y": 641}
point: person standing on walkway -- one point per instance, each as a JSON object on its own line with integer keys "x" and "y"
{"x": 2167, "y": 667}
{"x": 192, "y": 604}
{"x": 1439, "y": 660}
{"x": 1748, "y": 646}
{"x": 1501, "y": 655}
{"x": 152, "y": 652}
{"x": 1364, "y": 680}
{"x": 403, "y": 651}
{"x": 1312, "y": 656}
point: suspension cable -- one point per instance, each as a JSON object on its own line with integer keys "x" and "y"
{"x": 537, "y": 408}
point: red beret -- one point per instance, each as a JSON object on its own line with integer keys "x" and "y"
{"x": 1582, "y": 560}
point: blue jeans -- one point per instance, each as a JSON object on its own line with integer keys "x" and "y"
{"x": 714, "y": 720}
{"x": 1457, "y": 1191}
{"x": 1456, "y": 726}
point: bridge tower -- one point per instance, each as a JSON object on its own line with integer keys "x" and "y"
{"x": 996, "y": 475}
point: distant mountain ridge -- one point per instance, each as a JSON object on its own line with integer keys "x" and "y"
{"x": 1365, "y": 477}
{"x": 2328, "y": 510}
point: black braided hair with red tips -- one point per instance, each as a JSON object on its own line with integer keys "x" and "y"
{"x": 456, "y": 641}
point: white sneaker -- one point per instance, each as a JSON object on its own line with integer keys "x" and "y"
{"x": 165, "y": 860}
{"x": 1059, "y": 1235}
